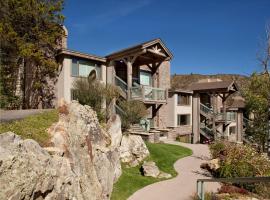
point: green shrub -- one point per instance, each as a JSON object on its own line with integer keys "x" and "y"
{"x": 217, "y": 149}
{"x": 134, "y": 112}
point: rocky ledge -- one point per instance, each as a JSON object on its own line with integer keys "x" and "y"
{"x": 82, "y": 162}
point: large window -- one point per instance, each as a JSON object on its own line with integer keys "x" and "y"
{"x": 183, "y": 120}
{"x": 183, "y": 99}
{"x": 82, "y": 68}
{"x": 145, "y": 78}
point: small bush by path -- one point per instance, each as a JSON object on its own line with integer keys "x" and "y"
{"x": 32, "y": 127}
{"x": 131, "y": 180}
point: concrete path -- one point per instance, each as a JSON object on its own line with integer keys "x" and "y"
{"x": 183, "y": 186}
{"x": 11, "y": 115}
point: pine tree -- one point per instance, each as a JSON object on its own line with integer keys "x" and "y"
{"x": 30, "y": 34}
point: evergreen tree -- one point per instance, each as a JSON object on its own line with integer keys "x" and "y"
{"x": 30, "y": 34}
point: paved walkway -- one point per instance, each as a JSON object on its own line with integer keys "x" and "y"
{"x": 183, "y": 186}
{"x": 11, "y": 115}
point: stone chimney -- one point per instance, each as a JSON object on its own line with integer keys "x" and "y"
{"x": 64, "y": 39}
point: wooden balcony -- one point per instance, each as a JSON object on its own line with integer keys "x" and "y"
{"x": 149, "y": 95}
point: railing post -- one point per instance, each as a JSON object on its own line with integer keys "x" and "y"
{"x": 202, "y": 191}
{"x": 198, "y": 194}
{"x": 143, "y": 93}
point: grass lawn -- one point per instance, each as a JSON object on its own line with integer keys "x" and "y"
{"x": 33, "y": 127}
{"x": 131, "y": 179}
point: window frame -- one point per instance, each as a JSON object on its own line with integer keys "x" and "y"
{"x": 179, "y": 119}
{"x": 146, "y": 73}
{"x": 98, "y": 71}
{"x": 186, "y": 95}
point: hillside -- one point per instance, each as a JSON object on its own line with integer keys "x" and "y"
{"x": 182, "y": 81}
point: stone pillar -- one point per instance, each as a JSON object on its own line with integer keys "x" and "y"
{"x": 239, "y": 126}
{"x": 196, "y": 118}
{"x": 110, "y": 73}
{"x": 103, "y": 74}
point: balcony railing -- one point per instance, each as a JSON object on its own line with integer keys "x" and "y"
{"x": 147, "y": 93}
{"x": 122, "y": 84}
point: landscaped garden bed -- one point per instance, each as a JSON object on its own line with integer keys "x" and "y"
{"x": 131, "y": 180}
{"x": 232, "y": 160}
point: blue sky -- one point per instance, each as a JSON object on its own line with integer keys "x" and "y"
{"x": 205, "y": 36}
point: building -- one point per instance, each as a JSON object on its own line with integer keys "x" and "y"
{"x": 142, "y": 72}
{"x": 179, "y": 116}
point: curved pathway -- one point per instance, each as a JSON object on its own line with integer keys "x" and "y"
{"x": 183, "y": 186}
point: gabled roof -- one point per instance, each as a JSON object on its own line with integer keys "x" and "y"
{"x": 225, "y": 86}
{"x": 81, "y": 55}
{"x": 141, "y": 46}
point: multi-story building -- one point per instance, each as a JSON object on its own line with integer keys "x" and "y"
{"x": 142, "y": 72}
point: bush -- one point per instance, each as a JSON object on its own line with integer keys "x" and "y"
{"x": 241, "y": 161}
{"x": 95, "y": 94}
{"x": 217, "y": 149}
{"x": 134, "y": 112}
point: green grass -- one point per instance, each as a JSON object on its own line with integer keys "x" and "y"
{"x": 131, "y": 179}
{"x": 33, "y": 127}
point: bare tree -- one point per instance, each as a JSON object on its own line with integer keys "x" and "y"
{"x": 264, "y": 54}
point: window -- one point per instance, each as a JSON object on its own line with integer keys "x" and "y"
{"x": 183, "y": 120}
{"x": 145, "y": 78}
{"x": 232, "y": 130}
{"x": 82, "y": 68}
{"x": 183, "y": 99}
{"x": 73, "y": 94}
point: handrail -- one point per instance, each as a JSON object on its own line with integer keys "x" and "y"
{"x": 122, "y": 82}
{"x": 200, "y": 182}
{"x": 118, "y": 108}
{"x": 148, "y": 93}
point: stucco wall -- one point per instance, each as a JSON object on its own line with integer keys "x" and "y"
{"x": 174, "y": 110}
{"x": 65, "y": 81}
{"x": 63, "y": 84}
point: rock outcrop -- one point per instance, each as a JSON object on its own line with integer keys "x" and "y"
{"x": 82, "y": 162}
{"x": 212, "y": 165}
{"x": 133, "y": 150}
{"x": 149, "y": 168}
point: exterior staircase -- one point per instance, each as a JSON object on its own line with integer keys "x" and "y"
{"x": 122, "y": 85}
{"x": 205, "y": 128}
{"x": 136, "y": 128}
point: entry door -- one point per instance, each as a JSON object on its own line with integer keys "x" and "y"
{"x": 145, "y": 78}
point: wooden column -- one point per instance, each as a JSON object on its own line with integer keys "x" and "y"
{"x": 214, "y": 104}
{"x": 225, "y": 134}
{"x": 129, "y": 73}
{"x": 239, "y": 126}
{"x": 196, "y": 118}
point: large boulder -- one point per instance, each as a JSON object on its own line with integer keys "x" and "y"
{"x": 82, "y": 162}
{"x": 149, "y": 168}
{"x": 133, "y": 150}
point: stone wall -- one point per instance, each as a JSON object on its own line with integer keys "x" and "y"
{"x": 164, "y": 81}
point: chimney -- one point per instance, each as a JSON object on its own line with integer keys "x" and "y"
{"x": 64, "y": 39}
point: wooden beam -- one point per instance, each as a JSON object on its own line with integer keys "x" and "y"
{"x": 157, "y": 53}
